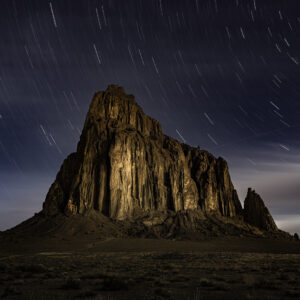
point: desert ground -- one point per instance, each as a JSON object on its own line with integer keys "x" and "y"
{"x": 217, "y": 268}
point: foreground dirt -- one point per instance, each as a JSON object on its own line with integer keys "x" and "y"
{"x": 151, "y": 269}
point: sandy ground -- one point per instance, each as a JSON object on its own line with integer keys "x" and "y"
{"x": 231, "y": 268}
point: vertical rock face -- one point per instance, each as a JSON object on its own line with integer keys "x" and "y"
{"x": 215, "y": 189}
{"x": 256, "y": 213}
{"x": 125, "y": 165}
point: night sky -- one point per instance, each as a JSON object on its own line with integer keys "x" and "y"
{"x": 224, "y": 75}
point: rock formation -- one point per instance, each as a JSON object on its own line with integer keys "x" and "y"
{"x": 126, "y": 169}
{"x": 125, "y": 165}
{"x": 256, "y": 213}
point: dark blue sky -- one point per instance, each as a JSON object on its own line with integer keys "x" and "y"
{"x": 224, "y": 75}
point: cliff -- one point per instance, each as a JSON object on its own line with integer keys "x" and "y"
{"x": 125, "y": 166}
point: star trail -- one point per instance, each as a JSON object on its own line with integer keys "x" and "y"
{"x": 222, "y": 75}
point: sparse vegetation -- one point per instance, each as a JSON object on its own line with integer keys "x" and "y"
{"x": 113, "y": 284}
{"x": 3, "y": 267}
{"x": 32, "y": 268}
{"x": 71, "y": 284}
{"x": 169, "y": 274}
{"x": 10, "y": 290}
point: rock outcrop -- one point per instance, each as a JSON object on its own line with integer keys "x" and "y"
{"x": 125, "y": 166}
{"x": 256, "y": 213}
{"x": 146, "y": 183}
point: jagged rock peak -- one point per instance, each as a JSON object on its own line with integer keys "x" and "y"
{"x": 256, "y": 213}
{"x": 125, "y": 166}
{"x": 116, "y": 109}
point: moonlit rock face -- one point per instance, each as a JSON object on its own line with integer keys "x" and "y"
{"x": 124, "y": 164}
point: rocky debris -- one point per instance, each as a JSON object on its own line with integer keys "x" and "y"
{"x": 256, "y": 213}
{"x": 125, "y": 166}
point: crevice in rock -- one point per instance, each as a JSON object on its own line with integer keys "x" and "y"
{"x": 97, "y": 184}
{"x": 167, "y": 183}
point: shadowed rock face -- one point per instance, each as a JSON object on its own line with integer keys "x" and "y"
{"x": 125, "y": 166}
{"x": 256, "y": 213}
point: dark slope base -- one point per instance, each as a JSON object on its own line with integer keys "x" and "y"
{"x": 94, "y": 226}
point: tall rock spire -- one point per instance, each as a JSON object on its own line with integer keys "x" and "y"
{"x": 256, "y": 213}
